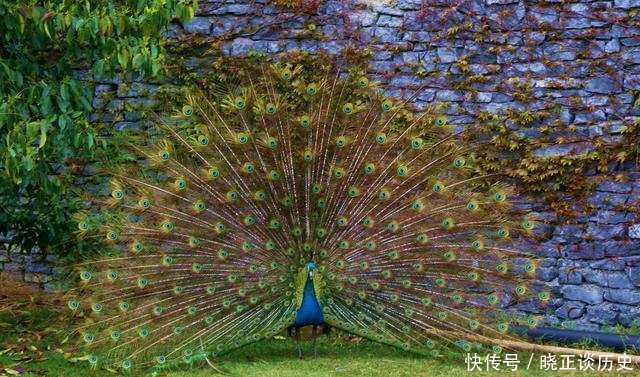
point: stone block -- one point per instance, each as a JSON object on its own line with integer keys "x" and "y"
{"x": 198, "y": 25}
{"x": 623, "y": 296}
{"x": 591, "y": 294}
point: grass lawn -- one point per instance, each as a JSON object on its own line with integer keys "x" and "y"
{"x": 32, "y": 343}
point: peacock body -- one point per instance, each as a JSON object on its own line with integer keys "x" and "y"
{"x": 292, "y": 195}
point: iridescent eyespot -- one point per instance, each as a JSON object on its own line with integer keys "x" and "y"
{"x": 448, "y": 223}
{"x": 286, "y": 74}
{"x": 187, "y": 110}
{"x": 321, "y": 232}
{"x": 344, "y": 244}
{"x": 126, "y": 364}
{"x": 527, "y": 224}
{"x": 161, "y": 359}
{"x": 124, "y": 306}
{"x": 164, "y": 155}
{"x": 418, "y": 205}
{"x": 353, "y": 192}
{"x": 416, "y": 143}
{"x": 401, "y": 171}
{"x": 117, "y": 194}
{"x": 499, "y": 197}
{"x": 312, "y": 89}
{"x": 529, "y": 267}
{"x": 93, "y": 359}
{"x": 363, "y": 82}
{"x": 239, "y": 103}
{"x": 459, "y": 162}
{"x": 97, "y": 307}
{"x": 85, "y": 275}
{"x": 271, "y": 108}
{"x": 112, "y": 275}
{"x": 477, "y": 245}
{"x": 142, "y": 282}
{"x": 144, "y": 203}
{"x": 272, "y": 142}
{"x": 384, "y": 194}
{"x": 259, "y": 195}
{"x": 305, "y": 121}
{"x": 368, "y": 221}
{"x": 338, "y": 172}
{"x": 136, "y": 246}
{"x": 503, "y": 232}
{"x": 441, "y": 121}
{"x": 381, "y": 138}
{"x": 308, "y": 155}
{"x": 242, "y": 138}
{"x": 181, "y": 183}
{"x": 440, "y": 282}
{"x": 347, "y": 108}
{"x": 111, "y": 235}
{"x": 273, "y": 175}
{"x": 369, "y": 168}
{"x": 143, "y": 333}
{"x": 219, "y": 227}
{"x": 387, "y": 105}
{"x": 341, "y": 141}
{"x": 167, "y": 226}
{"x": 544, "y": 296}
{"x": 438, "y": 187}
{"x": 232, "y": 196}
{"x": 422, "y": 238}
{"x": 393, "y": 226}
{"x": 73, "y": 304}
{"x": 83, "y": 225}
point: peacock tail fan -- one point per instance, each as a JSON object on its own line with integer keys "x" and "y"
{"x": 237, "y": 189}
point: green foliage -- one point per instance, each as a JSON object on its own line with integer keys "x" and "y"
{"x": 44, "y": 132}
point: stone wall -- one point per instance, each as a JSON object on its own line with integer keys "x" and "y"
{"x": 582, "y": 58}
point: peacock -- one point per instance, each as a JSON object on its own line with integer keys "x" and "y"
{"x": 289, "y": 194}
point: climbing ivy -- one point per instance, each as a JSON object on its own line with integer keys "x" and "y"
{"x": 47, "y": 50}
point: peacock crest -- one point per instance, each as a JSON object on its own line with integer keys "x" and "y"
{"x": 211, "y": 234}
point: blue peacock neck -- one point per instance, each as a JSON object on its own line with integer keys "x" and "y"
{"x": 309, "y": 311}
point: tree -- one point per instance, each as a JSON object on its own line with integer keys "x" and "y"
{"x": 45, "y": 134}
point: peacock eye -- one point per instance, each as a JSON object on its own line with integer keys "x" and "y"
{"x": 286, "y": 74}
{"x": 441, "y": 121}
{"x": 240, "y": 103}
{"x": 271, "y": 108}
{"x": 305, "y": 121}
{"x": 164, "y": 155}
{"x": 416, "y": 143}
{"x": 381, "y": 138}
{"x": 187, "y": 110}
{"x": 312, "y": 89}
{"x": 363, "y": 82}
{"x": 387, "y": 105}
{"x": 347, "y": 108}
{"x": 203, "y": 140}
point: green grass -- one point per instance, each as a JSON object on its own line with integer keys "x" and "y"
{"x": 33, "y": 343}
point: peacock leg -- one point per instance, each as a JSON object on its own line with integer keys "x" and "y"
{"x": 297, "y": 337}
{"x": 315, "y": 345}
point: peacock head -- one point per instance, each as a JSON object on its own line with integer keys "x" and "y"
{"x": 310, "y": 267}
